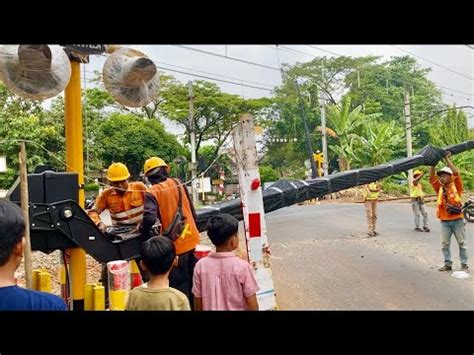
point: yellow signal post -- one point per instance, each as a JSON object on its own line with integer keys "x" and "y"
{"x": 75, "y": 163}
{"x": 319, "y": 158}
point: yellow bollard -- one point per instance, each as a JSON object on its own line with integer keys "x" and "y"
{"x": 35, "y": 279}
{"x": 44, "y": 282}
{"x": 99, "y": 298}
{"x": 89, "y": 298}
{"x": 118, "y": 299}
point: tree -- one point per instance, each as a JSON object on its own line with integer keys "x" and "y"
{"x": 381, "y": 142}
{"x": 323, "y": 74}
{"x": 450, "y": 128}
{"x": 215, "y": 112}
{"x": 27, "y": 120}
{"x": 132, "y": 140}
{"x": 267, "y": 174}
{"x": 346, "y": 123}
{"x": 380, "y": 87}
{"x": 206, "y": 158}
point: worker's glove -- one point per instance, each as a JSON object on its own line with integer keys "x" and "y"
{"x": 102, "y": 227}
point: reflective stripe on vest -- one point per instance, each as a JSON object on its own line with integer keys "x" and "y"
{"x": 452, "y": 195}
{"x": 128, "y": 214}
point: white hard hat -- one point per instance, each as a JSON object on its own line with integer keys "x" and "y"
{"x": 445, "y": 170}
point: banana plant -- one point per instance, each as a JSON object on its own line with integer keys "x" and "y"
{"x": 346, "y": 124}
{"x": 381, "y": 142}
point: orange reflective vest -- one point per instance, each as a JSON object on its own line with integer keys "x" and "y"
{"x": 453, "y": 195}
{"x": 124, "y": 209}
{"x": 167, "y": 196}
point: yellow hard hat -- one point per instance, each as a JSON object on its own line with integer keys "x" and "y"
{"x": 417, "y": 172}
{"x": 117, "y": 172}
{"x": 153, "y": 163}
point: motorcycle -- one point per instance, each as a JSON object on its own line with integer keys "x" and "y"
{"x": 468, "y": 210}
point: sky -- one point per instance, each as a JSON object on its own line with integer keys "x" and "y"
{"x": 452, "y": 65}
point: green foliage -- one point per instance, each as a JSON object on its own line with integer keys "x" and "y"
{"x": 207, "y": 157}
{"x": 215, "y": 112}
{"x": 381, "y": 142}
{"x": 450, "y": 128}
{"x": 27, "y": 120}
{"x": 267, "y": 174}
{"x": 91, "y": 187}
{"x": 347, "y": 125}
{"x": 131, "y": 140}
{"x": 393, "y": 187}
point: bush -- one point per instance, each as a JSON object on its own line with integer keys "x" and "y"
{"x": 267, "y": 174}
{"x": 91, "y": 187}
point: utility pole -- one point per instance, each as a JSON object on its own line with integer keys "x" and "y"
{"x": 26, "y": 216}
{"x": 314, "y": 170}
{"x": 193, "y": 142}
{"x": 325, "y": 143}
{"x": 408, "y": 130}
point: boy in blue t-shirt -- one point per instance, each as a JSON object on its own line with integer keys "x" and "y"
{"x": 12, "y": 242}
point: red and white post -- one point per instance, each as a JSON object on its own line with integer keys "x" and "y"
{"x": 258, "y": 249}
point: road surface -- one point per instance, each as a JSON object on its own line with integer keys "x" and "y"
{"x": 322, "y": 259}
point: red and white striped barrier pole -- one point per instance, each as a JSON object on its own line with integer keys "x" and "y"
{"x": 258, "y": 248}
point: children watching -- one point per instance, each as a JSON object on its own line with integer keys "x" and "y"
{"x": 158, "y": 258}
{"x": 222, "y": 281}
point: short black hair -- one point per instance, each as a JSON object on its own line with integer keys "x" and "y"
{"x": 158, "y": 254}
{"x": 12, "y": 229}
{"x": 157, "y": 175}
{"x": 221, "y": 227}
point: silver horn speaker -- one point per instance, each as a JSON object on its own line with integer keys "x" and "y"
{"x": 130, "y": 77}
{"x": 36, "y": 72}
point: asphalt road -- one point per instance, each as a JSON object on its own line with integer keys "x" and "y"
{"x": 322, "y": 259}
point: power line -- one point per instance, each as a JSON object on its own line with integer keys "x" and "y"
{"x": 219, "y": 75}
{"x": 53, "y": 155}
{"x": 400, "y": 75}
{"x": 438, "y": 112}
{"x": 432, "y": 62}
{"x": 216, "y": 79}
{"x": 230, "y": 58}
{"x": 377, "y": 75}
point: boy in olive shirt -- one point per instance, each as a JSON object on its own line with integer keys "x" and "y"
{"x": 158, "y": 258}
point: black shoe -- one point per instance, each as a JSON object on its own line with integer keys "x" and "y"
{"x": 445, "y": 268}
{"x": 418, "y": 229}
{"x": 464, "y": 267}
{"x": 426, "y": 229}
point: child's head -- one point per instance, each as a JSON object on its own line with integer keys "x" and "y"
{"x": 12, "y": 232}
{"x": 222, "y": 230}
{"x": 158, "y": 255}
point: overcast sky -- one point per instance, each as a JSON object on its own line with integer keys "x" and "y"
{"x": 444, "y": 60}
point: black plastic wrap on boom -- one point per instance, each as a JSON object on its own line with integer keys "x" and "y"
{"x": 284, "y": 193}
